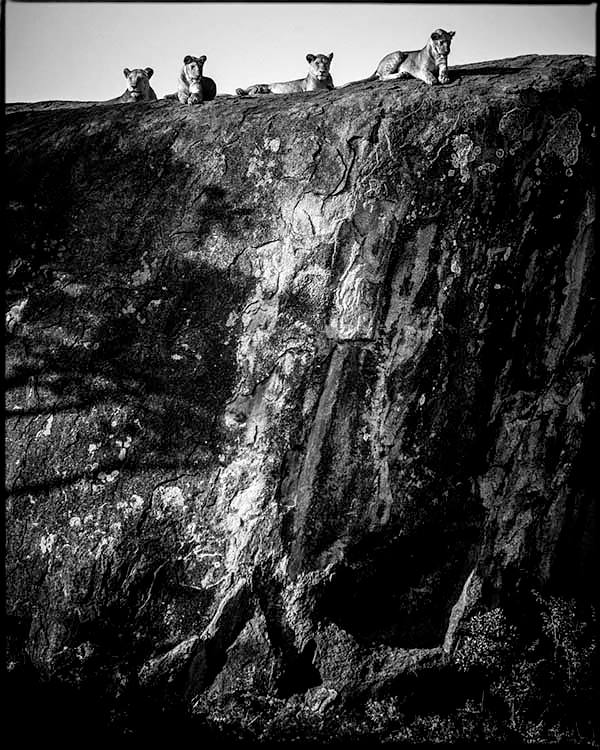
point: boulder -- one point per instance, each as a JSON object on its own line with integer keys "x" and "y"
{"x": 296, "y": 382}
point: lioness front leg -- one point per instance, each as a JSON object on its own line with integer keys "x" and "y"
{"x": 423, "y": 75}
{"x": 427, "y": 77}
{"x": 259, "y": 88}
{"x": 195, "y": 93}
{"x": 443, "y": 76}
{"x": 392, "y": 76}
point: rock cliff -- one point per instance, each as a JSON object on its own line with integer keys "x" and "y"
{"x": 295, "y": 383}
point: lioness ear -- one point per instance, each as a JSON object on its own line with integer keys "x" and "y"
{"x": 187, "y": 59}
{"x": 435, "y": 36}
{"x": 149, "y": 72}
{"x": 451, "y": 33}
{"x": 310, "y": 58}
{"x": 331, "y": 57}
{"x": 126, "y": 72}
{"x": 202, "y": 59}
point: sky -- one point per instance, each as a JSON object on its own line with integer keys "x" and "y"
{"x": 77, "y": 50}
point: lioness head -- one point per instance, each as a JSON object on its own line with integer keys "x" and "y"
{"x": 319, "y": 65}
{"x": 440, "y": 41}
{"x": 138, "y": 81}
{"x": 192, "y": 69}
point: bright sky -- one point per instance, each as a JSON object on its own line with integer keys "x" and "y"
{"x": 50, "y": 47}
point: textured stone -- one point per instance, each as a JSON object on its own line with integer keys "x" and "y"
{"x": 284, "y": 372}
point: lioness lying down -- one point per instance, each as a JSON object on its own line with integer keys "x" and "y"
{"x": 318, "y": 79}
{"x": 429, "y": 64}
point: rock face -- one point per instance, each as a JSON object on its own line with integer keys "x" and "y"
{"x": 295, "y": 382}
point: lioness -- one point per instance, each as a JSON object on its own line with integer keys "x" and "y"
{"x": 318, "y": 79}
{"x": 138, "y": 86}
{"x": 429, "y": 64}
{"x": 193, "y": 87}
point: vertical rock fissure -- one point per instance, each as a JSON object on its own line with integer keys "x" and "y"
{"x": 304, "y": 494}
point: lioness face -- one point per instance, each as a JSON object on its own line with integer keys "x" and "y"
{"x": 193, "y": 68}
{"x": 138, "y": 83}
{"x": 319, "y": 65}
{"x": 441, "y": 40}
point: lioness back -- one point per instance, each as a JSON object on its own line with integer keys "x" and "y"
{"x": 318, "y": 79}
